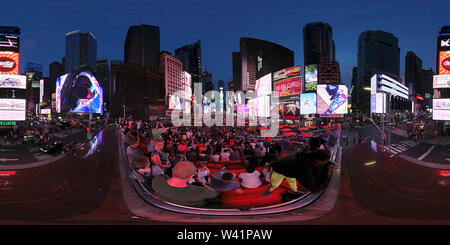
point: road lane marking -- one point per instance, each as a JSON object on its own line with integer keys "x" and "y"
{"x": 426, "y": 153}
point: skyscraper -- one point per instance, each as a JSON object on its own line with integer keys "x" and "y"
{"x": 172, "y": 70}
{"x": 237, "y": 71}
{"x": 259, "y": 58}
{"x": 191, "y": 57}
{"x": 378, "y": 52}
{"x": 34, "y": 73}
{"x": 413, "y": 73}
{"x": 318, "y": 44}
{"x": 142, "y": 46}
{"x": 207, "y": 82}
{"x": 103, "y": 77}
{"x": 81, "y": 51}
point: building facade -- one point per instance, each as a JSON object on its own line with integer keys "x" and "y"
{"x": 259, "y": 58}
{"x": 378, "y": 53}
{"x": 413, "y": 73}
{"x": 134, "y": 89}
{"x": 142, "y": 47}
{"x": 191, "y": 57}
{"x": 318, "y": 44}
{"x": 172, "y": 71}
{"x": 103, "y": 77}
{"x": 81, "y": 51}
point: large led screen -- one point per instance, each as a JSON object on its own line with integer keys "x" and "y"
{"x": 12, "y": 109}
{"x": 308, "y": 103}
{"x": 9, "y": 63}
{"x": 287, "y": 73}
{"x": 311, "y": 78}
{"x": 13, "y": 81}
{"x": 441, "y": 109}
{"x": 378, "y": 103}
{"x": 175, "y": 102}
{"x": 332, "y": 99}
{"x": 291, "y": 109}
{"x": 441, "y": 81}
{"x": 78, "y": 92}
{"x": 444, "y": 63}
{"x": 263, "y": 85}
{"x": 9, "y": 43}
{"x": 287, "y": 87}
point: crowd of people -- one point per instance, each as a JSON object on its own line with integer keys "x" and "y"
{"x": 173, "y": 161}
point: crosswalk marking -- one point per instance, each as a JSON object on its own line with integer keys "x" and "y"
{"x": 401, "y": 146}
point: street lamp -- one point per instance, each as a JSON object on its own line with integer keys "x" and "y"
{"x": 123, "y": 112}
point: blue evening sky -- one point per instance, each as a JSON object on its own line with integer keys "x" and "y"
{"x": 220, "y": 25}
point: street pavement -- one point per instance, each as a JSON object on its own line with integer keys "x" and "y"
{"x": 30, "y": 153}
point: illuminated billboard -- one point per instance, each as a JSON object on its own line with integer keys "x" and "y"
{"x": 287, "y": 73}
{"x": 175, "y": 102}
{"x": 291, "y": 109}
{"x": 308, "y": 103}
{"x": 311, "y": 78}
{"x": 9, "y": 43}
{"x": 441, "y": 109}
{"x": 263, "y": 105}
{"x": 9, "y": 63}
{"x": 445, "y": 42}
{"x": 378, "y": 103}
{"x": 187, "y": 79}
{"x": 441, "y": 81}
{"x": 287, "y": 87}
{"x": 263, "y": 85}
{"x": 12, "y": 109}
{"x": 13, "y": 81}
{"x": 444, "y": 63}
{"x": 78, "y": 92}
{"x": 332, "y": 99}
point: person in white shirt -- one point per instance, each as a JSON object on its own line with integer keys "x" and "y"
{"x": 215, "y": 157}
{"x": 202, "y": 173}
{"x": 250, "y": 179}
{"x": 225, "y": 155}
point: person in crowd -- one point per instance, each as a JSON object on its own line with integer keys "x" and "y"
{"x": 311, "y": 169}
{"x": 160, "y": 158}
{"x": 133, "y": 151}
{"x": 250, "y": 179}
{"x": 215, "y": 158}
{"x": 224, "y": 181}
{"x": 191, "y": 155}
{"x": 234, "y": 154}
{"x": 203, "y": 174}
{"x": 225, "y": 155}
{"x": 146, "y": 169}
{"x": 176, "y": 189}
{"x": 259, "y": 153}
{"x": 125, "y": 137}
{"x": 266, "y": 172}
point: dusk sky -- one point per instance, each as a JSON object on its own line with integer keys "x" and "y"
{"x": 220, "y": 24}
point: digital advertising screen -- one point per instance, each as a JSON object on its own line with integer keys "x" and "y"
{"x": 441, "y": 109}
{"x": 13, "y": 81}
{"x": 263, "y": 105}
{"x": 332, "y": 99}
{"x": 46, "y": 111}
{"x": 445, "y": 43}
{"x": 263, "y": 85}
{"x": 12, "y": 109}
{"x": 9, "y": 63}
{"x": 291, "y": 109}
{"x": 444, "y": 63}
{"x": 9, "y": 43}
{"x": 378, "y": 103}
{"x": 311, "y": 78}
{"x": 78, "y": 92}
{"x": 187, "y": 79}
{"x": 441, "y": 81}
{"x": 287, "y": 73}
{"x": 175, "y": 102}
{"x": 287, "y": 87}
{"x": 308, "y": 103}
